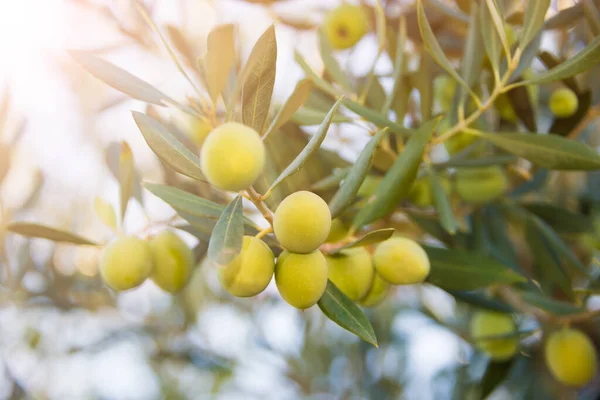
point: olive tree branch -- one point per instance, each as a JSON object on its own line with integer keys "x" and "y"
{"x": 257, "y": 199}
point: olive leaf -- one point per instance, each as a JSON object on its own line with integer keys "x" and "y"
{"x": 183, "y": 201}
{"x": 227, "y": 236}
{"x": 341, "y": 310}
{"x": 535, "y": 12}
{"x": 167, "y": 147}
{"x": 291, "y": 106}
{"x": 471, "y": 60}
{"x": 398, "y": 66}
{"x": 46, "y": 232}
{"x": 309, "y": 117}
{"x": 584, "y": 60}
{"x": 347, "y": 191}
{"x": 258, "y": 84}
{"x": 398, "y": 180}
{"x": 332, "y": 66}
{"x": 495, "y": 373}
{"x": 376, "y": 118}
{"x": 561, "y": 219}
{"x": 312, "y": 146}
{"x": 491, "y": 40}
{"x": 370, "y": 238}
{"x": 498, "y": 22}
{"x": 464, "y": 270}
{"x": 556, "y": 307}
{"x": 433, "y": 47}
{"x": 119, "y": 79}
{"x": 126, "y": 177}
{"x": 548, "y": 151}
{"x": 105, "y": 212}
{"x": 442, "y": 203}
{"x": 220, "y": 56}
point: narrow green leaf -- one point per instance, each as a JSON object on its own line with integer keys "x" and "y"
{"x": 495, "y": 373}
{"x": 220, "y": 55}
{"x": 258, "y": 86}
{"x": 434, "y": 48}
{"x": 561, "y": 219}
{"x": 535, "y": 13}
{"x": 584, "y": 60}
{"x": 311, "y": 147}
{"x": 126, "y": 177}
{"x": 119, "y": 79}
{"x": 559, "y": 245}
{"x": 341, "y": 310}
{"x": 491, "y": 40}
{"x": 463, "y": 270}
{"x": 565, "y": 18}
{"x": 556, "y": 307}
{"x": 189, "y": 203}
{"x": 472, "y": 54}
{"x": 527, "y": 56}
{"x": 356, "y": 176}
{"x": 331, "y": 64}
{"x": 398, "y": 180}
{"x": 423, "y": 79}
{"x": 370, "y": 238}
{"x": 548, "y": 151}
{"x": 398, "y": 66}
{"x": 167, "y": 147}
{"x": 105, "y": 212}
{"x": 310, "y": 117}
{"x": 548, "y": 266}
{"x": 316, "y": 79}
{"x": 442, "y": 203}
{"x": 481, "y": 300}
{"x": 477, "y": 162}
{"x": 380, "y": 25}
{"x": 376, "y": 118}
{"x": 47, "y": 232}
{"x": 498, "y": 21}
{"x": 331, "y": 181}
{"x": 226, "y": 238}
{"x": 291, "y": 106}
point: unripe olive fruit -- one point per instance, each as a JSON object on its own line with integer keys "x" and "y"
{"x": 481, "y": 185}
{"x": 486, "y": 324}
{"x": 126, "y": 263}
{"x": 401, "y": 261}
{"x": 563, "y": 102}
{"x": 251, "y": 271}
{"x": 377, "y": 292}
{"x": 345, "y": 25}
{"x": 337, "y": 232}
{"x": 232, "y": 156}
{"x": 459, "y": 142}
{"x": 421, "y": 192}
{"x": 301, "y": 278}
{"x": 571, "y": 357}
{"x": 351, "y": 271}
{"x": 199, "y": 130}
{"x": 173, "y": 261}
{"x": 302, "y": 222}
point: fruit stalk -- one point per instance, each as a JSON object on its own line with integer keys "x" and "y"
{"x": 257, "y": 199}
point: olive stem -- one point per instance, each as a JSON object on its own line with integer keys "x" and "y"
{"x": 257, "y": 199}
{"x": 264, "y": 232}
{"x": 498, "y": 90}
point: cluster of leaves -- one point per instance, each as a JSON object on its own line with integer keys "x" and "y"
{"x": 517, "y": 253}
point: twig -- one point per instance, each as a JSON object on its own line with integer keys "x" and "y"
{"x": 257, "y": 199}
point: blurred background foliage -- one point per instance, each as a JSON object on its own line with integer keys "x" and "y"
{"x": 64, "y": 335}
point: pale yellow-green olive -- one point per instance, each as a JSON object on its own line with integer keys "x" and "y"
{"x": 345, "y": 25}
{"x": 251, "y": 271}
{"x": 571, "y": 357}
{"x": 377, "y": 292}
{"x": 173, "y": 261}
{"x": 351, "y": 271}
{"x": 401, "y": 261}
{"x": 301, "y": 278}
{"x": 126, "y": 263}
{"x": 487, "y": 324}
{"x": 232, "y": 156}
{"x": 481, "y": 185}
{"x": 563, "y": 103}
{"x": 302, "y": 222}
